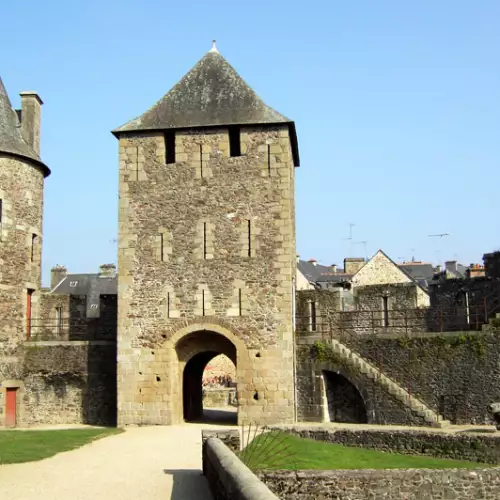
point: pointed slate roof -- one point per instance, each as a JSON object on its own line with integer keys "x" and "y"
{"x": 210, "y": 94}
{"x": 11, "y": 140}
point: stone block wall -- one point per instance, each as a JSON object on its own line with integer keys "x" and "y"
{"x": 185, "y": 263}
{"x": 397, "y": 484}
{"x": 312, "y": 394}
{"x": 367, "y": 318}
{"x": 463, "y": 304}
{"x": 472, "y": 446}
{"x": 64, "y": 382}
{"x": 492, "y": 265}
{"x": 454, "y": 373}
{"x": 219, "y": 397}
{"x": 21, "y": 192}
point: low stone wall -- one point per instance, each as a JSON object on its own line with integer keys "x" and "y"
{"x": 229, "y": 478}
{"x": 231, "y": 438}
{"x": 395, "y": 484}
{"x": 472, "y": 447}
{"x": 217, "y": 397}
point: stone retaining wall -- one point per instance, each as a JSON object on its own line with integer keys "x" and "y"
{"x": 64, "y": 382}
{"x": 471, "y": 446}
{"x": 396, "y": 484}
{"x": 219, "y": 397}
{"x": 228, "y": 477}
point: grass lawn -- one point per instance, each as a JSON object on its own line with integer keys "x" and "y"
{"x": 291, "y": 452}
{"x": 29, "y": 446}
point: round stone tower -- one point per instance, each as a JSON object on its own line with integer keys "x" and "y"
{"x": 22, "y": 175}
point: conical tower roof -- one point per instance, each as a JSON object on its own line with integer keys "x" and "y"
{"x": 211, "y": 94}
{"x": 11, "y": 140}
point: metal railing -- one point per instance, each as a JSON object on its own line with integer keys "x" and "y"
{"x": 365, "y": 332}
{"x": 72, "y": 329}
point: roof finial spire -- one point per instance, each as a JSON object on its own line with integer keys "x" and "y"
{"x": 214, "y": 46}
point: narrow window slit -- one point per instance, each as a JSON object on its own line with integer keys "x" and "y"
{"x": 234, "y": 141}
{"x": 249, "y": 238}
{"x": 240, "y": 301}
{"x": 162, "y": 251}
{"x": 269, "y": 160}
{"x": 312, "y": 307}
{"x": 201, "y": 161}
{"x": 137, "y": 163}
{"x": 33, "y": 245}
{"x": 168, "y": 304}
{"x": 1, "y": 210}
{"x": 203, "y": 302}
{"x": 385, "y": 303}
{"x": 205, "y": 240}
{"x": 170, "y": 146}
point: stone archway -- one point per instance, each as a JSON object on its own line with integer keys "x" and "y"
{"x": 345, "y": 403}
{"x": 194, "y": 351}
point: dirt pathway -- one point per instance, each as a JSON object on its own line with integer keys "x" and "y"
{"x": 149, "y": 463}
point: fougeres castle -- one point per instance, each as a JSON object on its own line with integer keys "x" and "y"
{"x": 207, "y": 269}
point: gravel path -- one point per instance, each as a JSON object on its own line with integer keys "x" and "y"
{"x": 149, "y": 463}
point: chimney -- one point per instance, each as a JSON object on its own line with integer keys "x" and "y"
{"x": 31, "y": 105}
{"x": 353, "y": 264}
{"x": 451, "y": 265}
{"x": 107, "y": 271}
{"x": 298, "y": 258}
{"x": 334, "y": 268}
{"x": 314, "y": 262}
{"x": 438, "y": 268}
{"x": 57, "y": 274}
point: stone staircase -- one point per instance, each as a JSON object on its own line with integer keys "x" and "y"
{"x": 391, "y": 387}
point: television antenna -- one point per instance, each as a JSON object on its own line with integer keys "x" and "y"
{"x": 349, "y": 239}
{"x": 440, "y": 236}
{"x": 364, "y": 243}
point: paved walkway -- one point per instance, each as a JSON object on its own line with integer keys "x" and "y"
{"x": 143, "y": 463}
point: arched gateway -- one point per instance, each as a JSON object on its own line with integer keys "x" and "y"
{"x": 194, "y": 352}
{"x": 206, "y": 249}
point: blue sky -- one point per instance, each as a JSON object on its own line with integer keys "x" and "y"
{"x": 397, "y": 107}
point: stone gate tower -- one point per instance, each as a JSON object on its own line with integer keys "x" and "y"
{"x": 22, "y": 176}
{"x": 206, "y": 250}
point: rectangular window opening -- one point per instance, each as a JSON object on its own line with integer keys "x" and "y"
{"x": 162, "y": 255}
{"x": 240, "y": 301}
{"x": 170, "y": 146}
{"x": 59, "y": 320}
{"x": 33, "y": 246}
{"x": 203, "y": 302}
{"x": 234, "y": 141}
{"x": 168, "y": 305}
{"x": 313, "y": 324}
{"x": 249, "y": 238}
{"x": 385, "y": 304}
{"x": 205, "y": 240}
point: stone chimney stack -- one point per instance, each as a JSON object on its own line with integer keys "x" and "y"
{"x": 353, "y": 264}
{"x": 451, "y": 265}
{"x": 334, "y": 268}
{"x": 57, "y": 274}
{"x": 107, "y": 271}
{"x": 30, "y": 119}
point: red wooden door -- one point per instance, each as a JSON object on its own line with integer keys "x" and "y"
{"x": 10, "y": 406}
